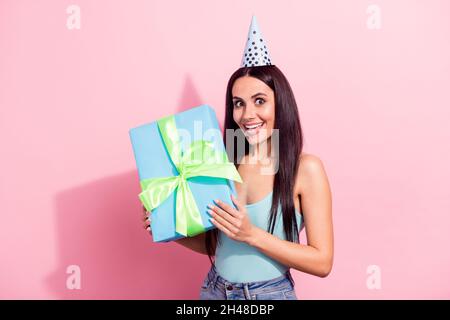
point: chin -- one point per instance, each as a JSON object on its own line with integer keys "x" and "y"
{"x": 256, "y": 140}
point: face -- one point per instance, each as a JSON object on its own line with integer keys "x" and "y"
{"x": 253, "y": 108}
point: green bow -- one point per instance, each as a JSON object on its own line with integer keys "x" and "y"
{"x": 189, "y": 164}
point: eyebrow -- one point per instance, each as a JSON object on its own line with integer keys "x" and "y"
{"x": 256, "y": 94}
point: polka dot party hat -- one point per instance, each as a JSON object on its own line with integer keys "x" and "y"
{"x": 255, "y": 53}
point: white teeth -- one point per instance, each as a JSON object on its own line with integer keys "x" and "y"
{"x": 253, "y": 129}
{"x": 254, "y": 126}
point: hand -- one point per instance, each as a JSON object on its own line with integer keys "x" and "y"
{"x": 234, "y": 223}
{"x": 147, "y": 220}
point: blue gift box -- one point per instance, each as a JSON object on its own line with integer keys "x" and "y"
{"x": 153, "y": 161}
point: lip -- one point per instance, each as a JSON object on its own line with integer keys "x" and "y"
{"x": 252, "y": 123}
{"x": 253, "y": 132}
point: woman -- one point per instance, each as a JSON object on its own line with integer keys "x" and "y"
{"x": 251, "y": 262}
{"x": 257, "y": 242}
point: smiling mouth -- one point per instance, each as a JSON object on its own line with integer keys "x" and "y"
{"x": 252, "y": 130}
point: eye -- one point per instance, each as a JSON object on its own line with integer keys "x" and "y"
{"x": 236, "y": 103}
{"x": 261, "y": 99}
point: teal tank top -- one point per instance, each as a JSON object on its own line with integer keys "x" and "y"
{"x": 237, "y": 261}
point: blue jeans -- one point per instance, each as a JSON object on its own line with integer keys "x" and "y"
{"x": 215, "y": 287}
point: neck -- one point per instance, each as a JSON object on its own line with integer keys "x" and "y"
{"x": 261, "y": 152}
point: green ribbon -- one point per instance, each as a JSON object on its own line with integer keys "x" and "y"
{"x": 200, "y": 159}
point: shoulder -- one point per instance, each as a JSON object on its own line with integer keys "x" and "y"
{"x": 311, "y": 170}
{"x": 310, "y": 163}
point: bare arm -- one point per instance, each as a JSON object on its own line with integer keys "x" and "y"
{"x": 316, "y": 257}
{"x": 195, "y": 243}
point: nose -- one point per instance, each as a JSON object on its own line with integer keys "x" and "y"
{"x": 249, "y": 112}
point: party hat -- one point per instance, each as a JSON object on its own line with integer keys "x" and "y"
{"x": 255, "y": 53}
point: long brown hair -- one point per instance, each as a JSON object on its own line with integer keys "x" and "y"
{"x": 287, "y": 120}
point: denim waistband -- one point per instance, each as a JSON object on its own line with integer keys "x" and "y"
{"x": 214, "y": 276}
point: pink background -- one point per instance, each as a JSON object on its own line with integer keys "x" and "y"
{"x": 374, "y": 105}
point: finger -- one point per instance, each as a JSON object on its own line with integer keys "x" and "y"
{"x": 224, "y": 214}
{"x": 226, "y": 207}
{"x": 146, "y": 223}
{"x": 149, "y": 230}
{"x": 145, "y": 212}
{"x": 238, "y": 204}
{"x": 218, "y": 217}
{"x": 222, "y": 228}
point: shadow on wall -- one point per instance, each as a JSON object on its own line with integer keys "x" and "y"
{"x": 99, "y": 228}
